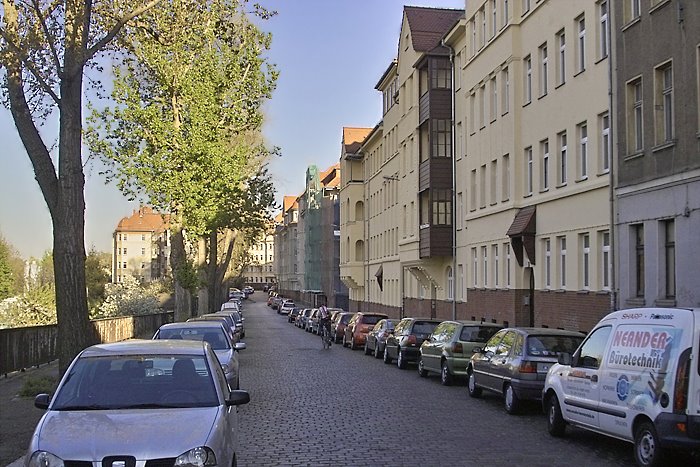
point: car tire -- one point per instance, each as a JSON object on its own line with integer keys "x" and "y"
{"x": 345, "y": 341}
{"x": 510, "y": 400}
{"x": 367, "y": 351}
{"x": 647, "y": 449}
{"x": 377, "y": 353}
{"x": 421, "y": 370}
{"x": 352, "y": 342}
{"x": 387, "y": 358}
{"x": 472, "y": 388}
{"x": 400, "y": 359}
{"x": 445, "y": 375}
{"x": 556, "y": 426}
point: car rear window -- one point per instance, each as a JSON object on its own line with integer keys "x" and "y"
{"x": 423, "y": 327}
{"x": 477, "y": 333}
{"x": 371, "y": 319}
{"x": 345, "y": 318}
{"x": 551, "y": 346}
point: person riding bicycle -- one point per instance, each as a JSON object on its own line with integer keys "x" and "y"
{"x": 324, "y": 321}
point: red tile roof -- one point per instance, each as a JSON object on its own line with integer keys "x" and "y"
{"x": 144, "y": 219}
{"x": 331, "y": 177}
{"x": 353, "y": 138}
{"x": 429, "y": 25}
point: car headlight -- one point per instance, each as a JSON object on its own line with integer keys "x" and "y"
{"x": 225, "y": 368}
{"x": 45, "y": 459}
{"x": 197, "y": 457}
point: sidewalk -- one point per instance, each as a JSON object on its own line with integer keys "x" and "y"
{"x": 18, "y": 416}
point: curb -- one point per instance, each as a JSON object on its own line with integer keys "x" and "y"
{"x": 18, "y": 463}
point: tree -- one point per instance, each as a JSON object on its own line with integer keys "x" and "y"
{"x": 11, "y": 270}
{"x": 185, "y": 130}
{"x": 96, "y": 276}
{"x": 45, "y": 49}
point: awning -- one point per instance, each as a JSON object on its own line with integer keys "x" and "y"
{"x": 522, "y": 233}
{"x": 380, "y": 277}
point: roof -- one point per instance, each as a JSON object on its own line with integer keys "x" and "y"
{"x": 429, "y": 25}
{"x": 144, "y": 219}
{"x": 146, "y": 347}
{"x": 353, "y": 138}
{"x": 289, "y": 202}
{"x": 523, "y": 223}
{"x": 331, "y": 177}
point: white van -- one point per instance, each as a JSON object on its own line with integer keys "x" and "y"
{"x": 635, "y": 377}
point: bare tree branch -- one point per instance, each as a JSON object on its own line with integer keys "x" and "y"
{"x": 49, "y": 37}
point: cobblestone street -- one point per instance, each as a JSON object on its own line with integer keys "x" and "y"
{"x": 339, "y": 407}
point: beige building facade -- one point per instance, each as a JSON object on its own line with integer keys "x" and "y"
{"x": 260, "y": 271}
{"x": 141, "y": 246}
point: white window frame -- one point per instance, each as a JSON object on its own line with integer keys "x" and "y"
{"x": 494, "y": 99}
{"x": 561, "y": 241}
{"x": 605, "y": 260}
{"x": 529, "y": 171}
{"x": 528, "y": 79}
{"x": 544, "y": 149}
{"x": 561, "y": 71}
{"x": 547, "y": 263}
{"x": 485, "y": 258}
{"x": 475, "y": 267}
{"x": 581, "y": 30}
{"x": 544, "y": 69}
{"x": 507, "y": 265}
{"x": 505, "y": 97}
{"x": 563, "y": 159}
{"x": 450, "y": 284}
{"x": 496, "y": 278}
{"x": 605, "y": 148}
{"x": 586, "y": 261}
{"x": 583, "y": 150}
{"x": 604, "y": 35}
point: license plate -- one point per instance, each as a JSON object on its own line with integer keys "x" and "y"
{"x": 543, "y": 367}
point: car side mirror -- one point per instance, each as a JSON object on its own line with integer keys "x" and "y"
{"x": 239, "y": 346}
{"x": 41, "y": 401}
{"x": 564, "y": 358}
{"x": 237, "y": 397}
{"x": 477, "y": 350}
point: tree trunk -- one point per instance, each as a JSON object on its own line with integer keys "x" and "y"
{"x": 203, "y": 291}
{"x": 212, "y": 286}
{"x": 177, "y": 258}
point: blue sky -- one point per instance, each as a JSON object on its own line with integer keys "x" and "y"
{"x": 330, "y": 54}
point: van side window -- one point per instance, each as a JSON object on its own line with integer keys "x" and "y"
{"x": 591, "y": 353}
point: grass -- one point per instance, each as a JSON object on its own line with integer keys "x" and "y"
{"x": 37, "y": 385}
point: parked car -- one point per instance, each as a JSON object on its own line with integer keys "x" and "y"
{"x": 238, "y": 318}
{"x": 358, "y": 327}
{"x": 277, "y": 302}
{"x": 635, "y": 378}
{"x": 213, "y": 333}
{"x": 316, "y": 318}
{"x": 305, "y": 318}
{"x": 515, "y": 361}
{"x": 404, "y": 343}
{"x": 106, "y": 388}
{"x": 310, "y": 319}
{"x": 292, "y": 316}
{"x": 376, "y": 338}
{"x": 338, "y": 324}
{"x": 448, "y": 349}
{"x": 248, "y": 290}
{"x": 286, "y": 307}
{"x": 231, "y": 305}
{"x": 230, "y": 323}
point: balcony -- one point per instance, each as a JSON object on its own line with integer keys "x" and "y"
{"x": 353, "y": 274}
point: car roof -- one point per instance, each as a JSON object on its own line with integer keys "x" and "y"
{"x": 548, "y": 331}
{"x": 476, "y": 323}
{"x": 193, "y": 324}
{"x": 142, "y": 346}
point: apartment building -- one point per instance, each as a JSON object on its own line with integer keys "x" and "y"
{"x": 259, "y": 273}
{"x": 141, "y": 246}
{"x": 657, "y": 171}
{"x": 286, "y": 252}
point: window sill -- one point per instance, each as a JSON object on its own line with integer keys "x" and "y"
{"x": 665, "y": 302}
{"x": 664, "y": 145}
{"x": 659, "y": 6}
{"x": 603, "y": 173}
{"x": 582, "y": 179}
{"x": 634, "y": 155}
{"x": 544, "y": 190}
{"x": 579, "y": 72}
{"x": 482, "y": 127}
{"x": 560, "y": 290}
{"x": 527, "y": 103}
{"x": 583, "y": 292}
{"x": 542, "y": 96}
{"x": 561, "y": 185}
{"x": 493, "y": 203}
{"x": 603, "y": 292}
{"x": 560, "y": 85}
{"x": 600, "y": 59}
{"x": 528, "y": 195}
{"x": 506, "y": 113}
{"x": 631, "y": 23}
{"x": 493, "y": 120}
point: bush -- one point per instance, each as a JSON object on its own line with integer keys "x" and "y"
{"x": 127, "y": 298}
{"x": 38, "y": 385}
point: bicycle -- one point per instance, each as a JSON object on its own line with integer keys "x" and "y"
{"x": 326, "y": 336}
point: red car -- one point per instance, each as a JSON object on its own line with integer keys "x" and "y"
{"x": 358, "y": 328}
{"x": 338, "y": 324}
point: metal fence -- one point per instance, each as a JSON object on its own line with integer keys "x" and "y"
{"x": 31, "y": 346}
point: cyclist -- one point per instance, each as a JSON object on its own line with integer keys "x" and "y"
{"x": 324, "y": 322}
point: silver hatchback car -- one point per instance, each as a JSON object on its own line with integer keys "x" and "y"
{"x": 134, "y": 402}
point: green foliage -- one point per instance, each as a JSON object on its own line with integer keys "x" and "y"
{"x": 127, "y": 298}
{"x": 34, "y": 385}
{"x": 187, "y": 276}
{"x": 11, "y": 270}
{"x": 97, "y": 266}
{"x": 36, "y": 307}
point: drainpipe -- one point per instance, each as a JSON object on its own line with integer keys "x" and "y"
{"x": 611, "y": 103}
{"x": 454, "y": 180}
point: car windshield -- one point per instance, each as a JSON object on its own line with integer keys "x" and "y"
{"x": 215, "y": 336}
{"x": 477, "y": 333}
{"x": 369, "y": 319}
{"x": 551, "y": 346}
{"x": 424, "y": 327}
{"x": 137, "y": 382}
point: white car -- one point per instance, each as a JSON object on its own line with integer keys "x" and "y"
{"x": 139, "y": 402}
{"x": 286, "y": 307}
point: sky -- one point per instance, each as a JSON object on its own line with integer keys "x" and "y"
{"x": 330, "y": 54}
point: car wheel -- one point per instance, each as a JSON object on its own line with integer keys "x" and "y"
{"x": 387, "y": 358}
{"x": 367, "y": 351}
{"x": 556, "y": 426}
{"x": 510, "y": 399}
{"x": 400, "y": 359}
{"x": 421, "y": 370}
{"x": 377, "y": 353}
{"x": 345, "y": 341}
{"x": 445, "y": 375}
{"x": 472, "y": 388}
{"x": 352, "y": 342}
{"x": 647, "y": 450}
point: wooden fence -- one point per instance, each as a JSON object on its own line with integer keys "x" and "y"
{"x": 31, "y": 346}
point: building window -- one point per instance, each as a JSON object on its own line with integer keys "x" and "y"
{"x": 143, "y": 251}
{"x": 450, "y": 284}
{"x": 562, "y": 262}
{"x": 638, "y": 231}
{"x": 606, "y": 262}
{"x": 603, "y": 38}
{"x": 583, "y": 150}
{"x": 528, "y": 79}
{"x": 605, "y": 141}
{"x": 472, "y": 189}
{"x": 561, "y": 58}
{"x": 442, "y": 207}
{"x": 472, "y": 24}
{"x": 496, "y": 279}
{"x": 528, "y": 171}
{"x": 506, "y": 247}
{"x": 482, "y": 186}
{"x": 123, "y": 265}
{"x": 123, "y": 251}
{"x": 670, "y": 253}
{"x": 505, "y": 93}
{"x": 472, "y": 113}
{"x": 494, "y": 22}
{"x": 581, "y": 49}
{"x": 485, "y": 258}
{"x": 494, "y": 181}
{"x": 460, "y": 282}
{"x": 562, "y": 165}
{"x": 440, "y": 73}
{"x": 635, "y": 126}
{"x": 544, "y": 149}
{"x": 544, "y": 64}
{"x": 143, "y": 265}
{"x": 143, "y": 238}
{"x": 120, "y": 237}
{"x": 482, "y": 106}
{"x": 526, "y": 6}
{"x": 586, "y": 260}
{"x": 482, "y": 12}
{"x": 442, "y": 138}
{"x": 494, "y": 99}
{"x": 505, "y": 12}
{"x": 475, "y": 267}
{"x": 632, "y": 10}
{"x": 547, "y": 263}
{"x": 505, "y": 178}
{"x": 663, "y": 77}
